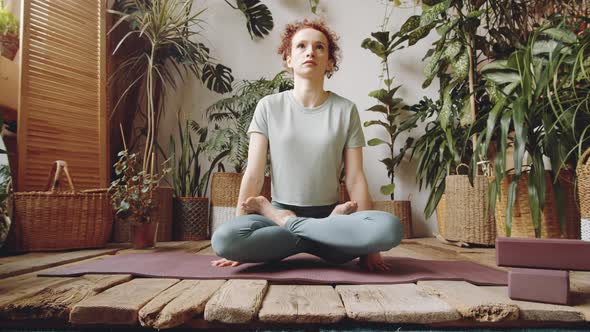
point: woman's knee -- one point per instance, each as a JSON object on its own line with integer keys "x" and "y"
{"x": 226, "y": 239}
{"x": 390, "y": 232}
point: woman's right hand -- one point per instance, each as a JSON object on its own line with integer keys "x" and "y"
{"x": 225, "y": 262}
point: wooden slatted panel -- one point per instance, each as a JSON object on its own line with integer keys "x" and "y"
{"x": 62, "y": 102}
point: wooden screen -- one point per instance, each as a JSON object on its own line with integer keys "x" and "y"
{"x": 62, "y": 102}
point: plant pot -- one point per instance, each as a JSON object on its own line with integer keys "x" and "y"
{"x": 400, "y": 209}
{"x": 162, "y": 213}
{"x": 466, "y": 219}
{"x": 191, "y": 218}
{"x": 522, "y": 221}
{"x": 583, "y": 174}
{"x": 225, "y": 191}
{"x": 441, "y": 215}
{"x": 9, "y": 45}
{"x": 143, "y": 235}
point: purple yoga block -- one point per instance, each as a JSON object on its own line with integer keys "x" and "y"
{"x": 548, "y": 286}
{"x": 559, "y": 254}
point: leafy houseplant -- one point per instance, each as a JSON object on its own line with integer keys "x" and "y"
{"x": 383, "y": 45}
{"x": 9, "y": 40}
{"x": 167, "y": 30}
{"x": 132, "y": 195}
{"x": 191, "y": 207}
{"x": 541, "y": 107}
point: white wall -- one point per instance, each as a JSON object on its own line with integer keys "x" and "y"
{"x": 353, "y": 20}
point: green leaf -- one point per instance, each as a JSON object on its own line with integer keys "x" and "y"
{"x": 381, "y": 123}
{"x": 375, "y": 47}
{"x": 452, "y": 50}
{"x": 419, "y": 34}
{"x": 461, "y": 66}
{"x": 465, "y": 117}
{"x": 382, "y": 37}
{"x": 562, "y": 35}
{"x": 430, "y": 14}
{"x": 411, "y": 24}
{"x": 388, "y": 189}
{"x": 314, "y": 5}
{"x": 502, "y": 77}
{"x": 377, "y": 141}
{"x": 380, "y": 95}
{"x": 258, "y": 16}
{"x": 218, "y": 78}
{"x": 475, "y": 13}
{"x": 378, "y": 108}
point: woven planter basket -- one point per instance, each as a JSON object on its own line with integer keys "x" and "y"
{"x": 466, "y": 219}
{"x": 441, "y": 215}
{"x": 60, "y": 220}
{"x": 583, "y": 173}
{"x": 191, "y": 218}
{"x": 9, "y": 45}
{"x": 225, "y": 191}
{"x": 400, "y": 209}
{"x": 522, "y": 221}
{"x": 162, "y": 214}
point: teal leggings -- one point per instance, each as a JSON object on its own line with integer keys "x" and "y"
{"x": 337, "y": 239}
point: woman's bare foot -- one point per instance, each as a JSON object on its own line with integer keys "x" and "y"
{"x": 345, "y": 208}
{"x": 225, "y": 262}
{"x": 262, "y": 206}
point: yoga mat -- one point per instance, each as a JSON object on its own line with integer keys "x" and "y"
{"x": 297, "y": 269}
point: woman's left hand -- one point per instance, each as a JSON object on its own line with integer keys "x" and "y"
{"x": 374, "y": 262}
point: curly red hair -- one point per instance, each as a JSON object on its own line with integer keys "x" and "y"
{"x": 292, "y": 28}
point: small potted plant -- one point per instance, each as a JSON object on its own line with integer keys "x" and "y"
{"x": 383, "y": 45}
{"x": 191, "y": 206}
{"x": 9, "y": 40}
{"x": 132, "y": 197}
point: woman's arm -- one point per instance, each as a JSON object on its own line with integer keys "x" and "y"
{"x": 254, "y": 175}
{"x": 356, "y": 182}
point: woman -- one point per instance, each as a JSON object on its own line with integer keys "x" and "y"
{"x": 310, "y": 133}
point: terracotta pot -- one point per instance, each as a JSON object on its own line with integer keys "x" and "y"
{"x": 143, "y": 235}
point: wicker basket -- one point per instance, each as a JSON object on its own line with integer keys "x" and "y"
{"x": 441, "y": 215}
{"x": 191, "y": 218}
{"x": 225, "y": 191}
{"x": 400, "y": 209}
{"x": 466, "y": 218}
{"x": 53, "y": 220}
{"x": 583, "y": 173}
{"x": 522, "y": 221}
{"x": 9, "y": 45}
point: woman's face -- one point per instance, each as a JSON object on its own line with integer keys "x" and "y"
{"x": 309, "y": 53}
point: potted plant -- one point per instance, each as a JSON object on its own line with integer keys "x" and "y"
{"x": 9, "y": 40}
{"x": 383, "y": 45}
{"x": 164, "y": 32}
{"x": 190, "y": 183}
{"x": 543, "y": 88}
{"x": 231, "y": 142}
{"x": 132, "y": 197}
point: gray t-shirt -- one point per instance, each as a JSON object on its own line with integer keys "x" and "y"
{"x": 306, "y": 145}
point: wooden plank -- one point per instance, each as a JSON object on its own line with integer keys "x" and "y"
{"x": 178, "y": 304}
{"x": 539, "y": 311}
{"x": 56, "y": 301}
{"x": 237, "y": 301}
{"x": 580, "y": 292}
{"x": 301, "y": 304}
{"x": 472, "y": 302}
{"x": 402, "y": 303}
{"x": 119, "y": 305}
{"x": 38, "y": 261}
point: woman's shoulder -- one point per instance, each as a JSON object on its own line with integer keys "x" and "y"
{"x": 274, "y": 98}
{"x": 343, "y": 102}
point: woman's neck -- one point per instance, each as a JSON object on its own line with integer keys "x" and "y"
{"x": 310, "y": 93}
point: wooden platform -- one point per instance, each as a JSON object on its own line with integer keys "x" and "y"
{"x": 28, "y": 301}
